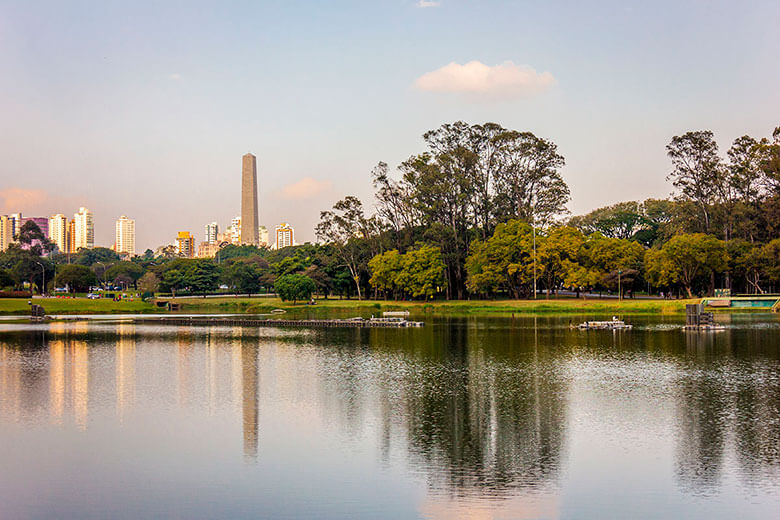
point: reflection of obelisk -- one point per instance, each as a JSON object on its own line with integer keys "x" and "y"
{"x": 249, "y": 225}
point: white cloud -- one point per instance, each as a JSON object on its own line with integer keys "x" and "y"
{"x": 502, "y": 80}
{"x": 422, "y": 4}
{"x": 305, "y": 188}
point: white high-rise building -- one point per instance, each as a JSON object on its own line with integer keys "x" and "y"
{"x": 58, "y": 232}
{"x": 235, "y": 231}
{"x": 125, "y": 236}
{"x": 85, "y": 230}
{"x": 285, "y": 236}
{"x": 212, "y": 231}
{"x": 16, "y": 224}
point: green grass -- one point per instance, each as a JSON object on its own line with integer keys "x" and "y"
{"x": 336, "y": 307}
{"x": 19, "y": 306}
{"x": 542, "y": 306}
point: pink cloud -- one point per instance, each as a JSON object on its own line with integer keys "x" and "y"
{"x": 305, "y": 188}
{"x": 13, "y": 200}
{"x": 502, "y": 80}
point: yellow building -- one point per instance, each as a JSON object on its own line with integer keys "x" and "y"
{"x": 185, "y": 244}
{"x": 6, "y": 232}
{"x": 58, "y": 232}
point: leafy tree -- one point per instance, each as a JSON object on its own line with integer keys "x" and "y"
{"x": 557, "y": 254}
{"x": 78, "y": 278}
{"x": 698, "y": 171}
{"x": 770, "y": 260}
{"x": 173, "y": 280}
{"x": 343, "y": 228}
{"x": 6, "y": 278}
{"x": 92, "y": 256}
{"x": 27, "y": 265}
{"x": 202, "y": 276}
{"x": 614, "y": 260}
{"x": 149, "y": 283}
{"x": 242, "y": 277}
{"x": 124, "y": 269}
{"x": 385, "y": 270}
{"x": 294, "y": 287}
{"x": 422, "y": 272}
{"x": 246, "y": 250}
{"x": 32, "y": 238}
{"x": 690, "y": 256}
{"x": 622, "y": 220}
{"x": 504, "y": 261}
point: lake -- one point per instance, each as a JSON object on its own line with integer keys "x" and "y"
{"x": 473, "y": 418}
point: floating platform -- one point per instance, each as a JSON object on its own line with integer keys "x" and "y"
{"x": 703, "y": 328}
{"x": 613, "y": 324}
{"x": 351, "y": 323}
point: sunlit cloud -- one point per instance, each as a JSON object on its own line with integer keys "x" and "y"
{"x": 13, "y": 200}
{"x": 502, "y": 80}
{"x": 305, "y": 188}
{"x": 422, "y": 4}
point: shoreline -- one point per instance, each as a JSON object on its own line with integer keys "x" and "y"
{"x": 264, "y": 304}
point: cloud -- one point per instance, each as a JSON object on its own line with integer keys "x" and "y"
{"x": 14, "y": 200}
{"x": 305, "y": 188}
{"x": 475, "y": 78}
{"x": 422, "y": 4}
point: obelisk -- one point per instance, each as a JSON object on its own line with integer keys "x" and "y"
{"x": 249, "y": 224}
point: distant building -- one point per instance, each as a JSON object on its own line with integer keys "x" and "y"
{"x": 285, "y": 236}
{"x": 185, "y": 244}
{"x": 6, "y": 232}
{"x": 233, "y": 234}
{"x": 249, "y": 219}
{"x": 263, "y": 241}
{"x": 212, "y": 233}
{"x": 84, "y": 230}
{"x": 16, "y": 224}
{"x": 72, "y": 236}
{"x": 124, "y": 243}
{"x": 58, "y": 232}
{"x": 206, "y": 250}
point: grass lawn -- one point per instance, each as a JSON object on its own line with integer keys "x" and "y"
{"x": 553, "y": 306}
{"x": 75, "y": 306}
{"x": 341, "y": 308}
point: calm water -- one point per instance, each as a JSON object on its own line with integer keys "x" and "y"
{"x": 465, "y": 418}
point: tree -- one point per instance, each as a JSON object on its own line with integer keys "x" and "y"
{"x": 504, "y": 261}
{"x": 698, "y": 171}
{"x": 173, "y": 280}
{"x": 32, "y": 238}
{"x": 202, "y": 276}
{"x": 78, "y": 278}
{"x": 557, "y": 253}
{"x": 614, "y": 261}
{"x": 6, "y": 278}
{"x": 149, "y": 283}
{"x": 294, "y": 287}
{"x": 385, "y": 270}
{"x": 124, "y": 269}
{"x": 693, "y": 255}
{"x": 242, "y": 277}
{"x": 422, "y": 272}
{"x": 92, "y": 256}
{"x": 622, "y": 220}
{"x": 343, "y": 228}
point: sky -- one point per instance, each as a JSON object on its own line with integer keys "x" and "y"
{"x": 144, "y": 109}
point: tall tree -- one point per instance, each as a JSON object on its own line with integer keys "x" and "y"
{"x": 698, "y": 172}
{"x": 346, "y": 228}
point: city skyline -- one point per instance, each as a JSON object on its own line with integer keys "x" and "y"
{"x": 610, "y": 84}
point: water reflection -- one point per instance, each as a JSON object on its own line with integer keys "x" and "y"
{"x": 488, "y": 414}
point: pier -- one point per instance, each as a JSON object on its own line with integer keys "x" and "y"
{"x": 352, "y": 323}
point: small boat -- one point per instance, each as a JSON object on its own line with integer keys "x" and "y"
{"x": 613, "y": 324}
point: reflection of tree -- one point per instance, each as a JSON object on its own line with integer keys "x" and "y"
{"x": 481, "y": 421}
{"x": 701, "y": 433}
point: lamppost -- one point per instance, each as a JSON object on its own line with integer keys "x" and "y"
{"x": 103, "y": 276}
{"x": 43, "y": 276}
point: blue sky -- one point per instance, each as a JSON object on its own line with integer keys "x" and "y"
{"x": 145, "y": 109}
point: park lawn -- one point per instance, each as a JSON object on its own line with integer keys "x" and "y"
{"x": 541, "y": 306}
{"x": 19, "y": 306}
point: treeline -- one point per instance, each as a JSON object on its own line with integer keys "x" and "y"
{"x": 493, "y": 202}
{"x": 482, "y": 213}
